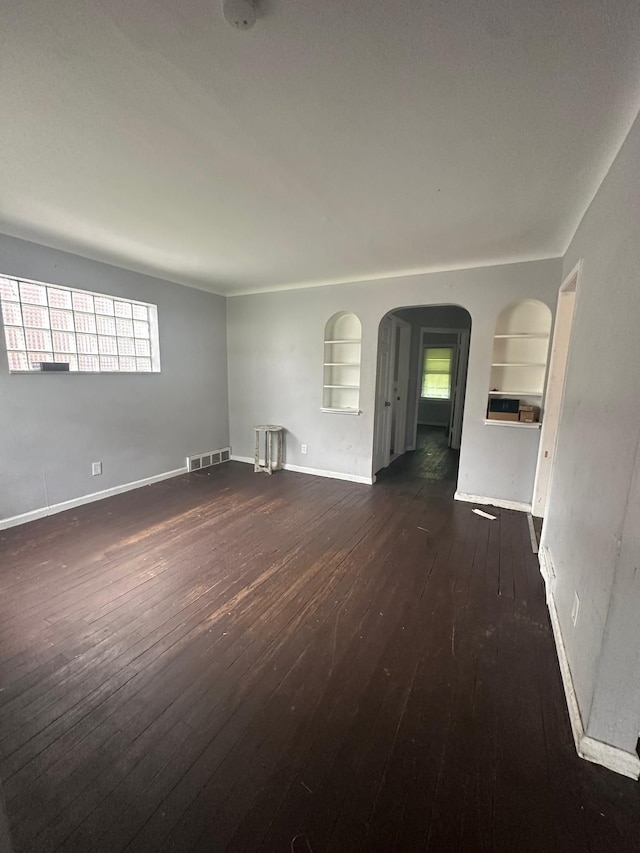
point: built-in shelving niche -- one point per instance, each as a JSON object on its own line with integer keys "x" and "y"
{"x": 342, "y": 344}
{"x": 520, "y": 350}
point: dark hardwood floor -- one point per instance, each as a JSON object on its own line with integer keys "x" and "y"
{"x": 241, "y": 662}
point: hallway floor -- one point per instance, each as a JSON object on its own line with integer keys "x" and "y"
{"x": 432, "y": 460}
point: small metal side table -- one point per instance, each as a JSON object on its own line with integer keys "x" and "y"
{"x": 269, "y": 430}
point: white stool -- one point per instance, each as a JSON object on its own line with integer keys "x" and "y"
{"x": 269, "y": 431}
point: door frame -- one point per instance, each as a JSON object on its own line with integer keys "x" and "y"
{"x": 463, "y": 337}
{"x": 554, "y": 393}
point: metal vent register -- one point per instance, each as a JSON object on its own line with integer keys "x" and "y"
{"x": 206, "y": 460}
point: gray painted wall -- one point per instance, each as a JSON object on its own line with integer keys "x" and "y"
{"x": 593, "y": 516}
{"x": 275, "y": 354}
{"x": 53, "y": 426}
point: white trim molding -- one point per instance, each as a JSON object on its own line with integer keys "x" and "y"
{"x": 42, "y": 512}
{"x": 596, "y": 751}
{"x": 499, "y": 502}
{"x": 334, "y": 475}
{"x": 315, "y": 472}
{"x": 517, "y": 424}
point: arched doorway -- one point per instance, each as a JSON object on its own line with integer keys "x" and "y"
{"x": 423, "y": 354}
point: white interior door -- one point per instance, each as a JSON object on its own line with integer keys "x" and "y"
{"x": 459, "y": 387}
{"x": 555, "y": 390}
{"x": 401, "y": 356}
{"x": 382, "y": 443}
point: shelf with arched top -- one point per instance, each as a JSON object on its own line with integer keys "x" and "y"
{"x": 520, "y": 350}
{"x": 341, "y": 368}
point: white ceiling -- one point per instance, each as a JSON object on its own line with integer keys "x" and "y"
{"x": 338, "y": 140}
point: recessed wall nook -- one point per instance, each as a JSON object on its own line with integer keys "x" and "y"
{"x": 519, "y": 364}
{"x": 342, "y": 347}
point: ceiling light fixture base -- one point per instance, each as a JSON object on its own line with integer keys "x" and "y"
{"x": 241, "y": 14}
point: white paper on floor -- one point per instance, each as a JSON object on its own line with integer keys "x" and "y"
{"x": 484, "y": 514}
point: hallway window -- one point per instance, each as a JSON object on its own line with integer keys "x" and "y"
{"x": 436, "y": 373}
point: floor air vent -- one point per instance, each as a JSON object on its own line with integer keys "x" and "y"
{"x": 206, "y": 460}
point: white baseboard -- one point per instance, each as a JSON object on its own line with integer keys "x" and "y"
{"x": 481, "y": 499}
{"x": 596, "y": 751}
{"x": 34, "y": 514}
{"x": 334, "y": 475}
{"x": 316, "y": 472}
{"x": 533, "y": 537}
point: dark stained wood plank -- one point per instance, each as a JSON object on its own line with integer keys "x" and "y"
{"x": 202, "y": 768}
{"x": 236, "y": 662}
{"x": 296, "y": 770}
{"x": 110, "y": 648}
{"x": 324, "y": 562}
{"x": 158, "y": 685}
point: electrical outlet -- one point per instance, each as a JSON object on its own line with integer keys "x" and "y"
{"x": 96, "y": 468}
{"x": 575, "y": 608}
{"x": 303, "y": 448}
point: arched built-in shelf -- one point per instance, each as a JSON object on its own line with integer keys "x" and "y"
{"x": 520, "y": 349}
{"x": 341, "y": 383}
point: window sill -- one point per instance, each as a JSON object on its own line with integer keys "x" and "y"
{"x": 83, "y": 372}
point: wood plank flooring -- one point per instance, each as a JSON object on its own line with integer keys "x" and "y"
{"x": 241, "y": 662}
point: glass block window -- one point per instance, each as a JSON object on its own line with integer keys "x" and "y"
{"x": 91, "y": 332}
